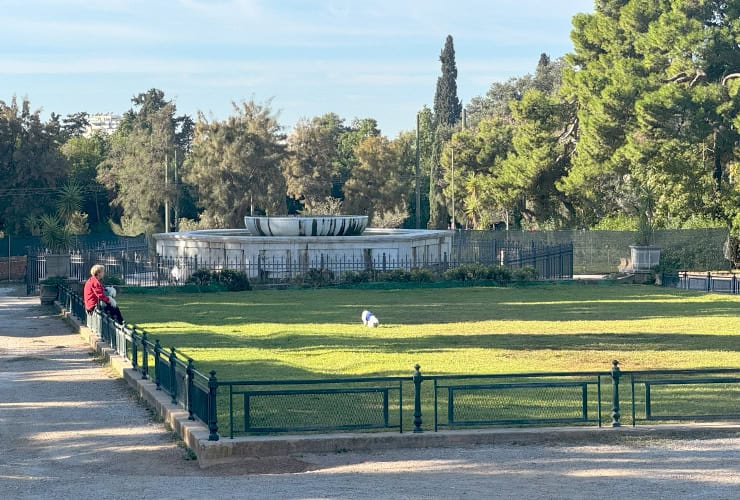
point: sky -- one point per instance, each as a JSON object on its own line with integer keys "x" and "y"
{"x": 357, "y": 58}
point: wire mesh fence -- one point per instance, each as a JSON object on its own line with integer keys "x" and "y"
{"x": 600, "y": 252}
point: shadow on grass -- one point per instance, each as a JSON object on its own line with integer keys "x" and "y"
{"x": 417, "y": 307}
{"x": 638, "y": 341}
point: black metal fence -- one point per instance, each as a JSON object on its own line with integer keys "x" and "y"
{"x": 703, "y": 282}
{"x": 243, "y": 407}
{"x": 135, "y": 267}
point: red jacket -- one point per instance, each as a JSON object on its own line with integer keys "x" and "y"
{"x": 93, "y": 293}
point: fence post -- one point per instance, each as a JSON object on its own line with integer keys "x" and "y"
{"x": 144, "y": 357}
{"x": 212, "y": 418}
{"x": 134, "y": 349}
{"x": 189, "y": 373}
{"x": 157, "y": 350}
{"x": 615, "y": 373}
{"x": 417, "y": 378}
{"x": 709, "y": 281}
{"x": 173, "y": 374}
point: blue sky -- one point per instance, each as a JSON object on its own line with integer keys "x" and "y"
{"x": 358, "y": 58}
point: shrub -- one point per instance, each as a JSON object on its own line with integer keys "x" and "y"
{"x": 353, "y": 277}
{"x": 113, "y": 280}
{"x": 478, "y": 272}
{"x": 230, "y": 280}
{"x": 395, "y": 276}
{"x": 54, "y": 281}
{"x": 499, "y": 274}
{"x": 234, "y": 281}
{"x": 201, "y": 277}
{"x": 318, "y": 277}
{"x": 526, "y": 273}
{"x": 420, "y": 275}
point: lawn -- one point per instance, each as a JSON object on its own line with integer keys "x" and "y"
{"x": 317, "y": 333}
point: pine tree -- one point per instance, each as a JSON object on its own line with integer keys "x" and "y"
{"x": 447, "y": 107}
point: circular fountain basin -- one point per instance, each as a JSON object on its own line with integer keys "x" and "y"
{"x": 329, "y": 225}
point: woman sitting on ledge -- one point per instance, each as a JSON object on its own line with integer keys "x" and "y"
{"x": 94, "y": 294}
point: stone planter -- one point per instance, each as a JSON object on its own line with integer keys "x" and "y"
{"x": 48, "y": 294}
{"x": 57, "y": 265}
{"x": 644, "y": 257}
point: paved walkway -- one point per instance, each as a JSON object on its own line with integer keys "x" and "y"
{"x": 69, "y": 430}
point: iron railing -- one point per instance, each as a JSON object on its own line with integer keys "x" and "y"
{"x": 172, "y": 371}
{"x": 659, "y": 395}
{"x": 136, "y": 268}
{"x": 340, "y": 404}
{"x": 246, "y": 407}
{"x": 703, "y": 282}
{"x": 521, "y": 399}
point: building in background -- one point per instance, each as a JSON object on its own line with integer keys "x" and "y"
{"x": 105, "y": 123}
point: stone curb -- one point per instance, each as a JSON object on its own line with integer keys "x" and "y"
{"x": 226, "y": 450}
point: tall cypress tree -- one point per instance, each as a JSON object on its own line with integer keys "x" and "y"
{"x": 447, "y": 112}
{"x": 447, "y": 107}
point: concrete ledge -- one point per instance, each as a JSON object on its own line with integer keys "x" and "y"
{"x": 195, "y": 433}
{"x": 192, "y": 432}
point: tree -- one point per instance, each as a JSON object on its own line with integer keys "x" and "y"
{"x": 235, "y": 165}
{"x": 447, "y": 112}
{"x": 83, "y": 155}
{"x": 376, "y": 184}
{"x": 312, "y": 160}
{"x": 656, "y": 103}
{"x": 31, "y": 166}
{"x": 541, "y": 153}
{"x": 447, "y": 107}
{"x": 478, "y": 154}
{"x": 139, "y": 169}
{"x": 346, "y": 161}
{"x": 75, "y": 124}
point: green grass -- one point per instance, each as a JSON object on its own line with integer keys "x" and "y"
{"x": 285, "y": 334}
{"x": 317, "y": 333}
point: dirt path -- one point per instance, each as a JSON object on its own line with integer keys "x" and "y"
{"x": 69, "y": 430}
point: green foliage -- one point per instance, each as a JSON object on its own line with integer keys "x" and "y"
{"x": 30, "y": 164}
{"x": 353, "y": 277}
{"x": 447, "y": 106}
{"x": 54, "y": 281}
{"x": 617, "y": 222}
{"x": 376, "y": 184}
{"x": 526, "y": 273}
{"x": 141, "y": 151}
{"x": 201, "y": 277}
{"x": 225, "y": 279}
{"x": 54, "y": 234}
{"x": 234, "y": 281}
{"x": 317, "y": 277}
{"x": 421, "y": 275}
{"x": 236, "y": 164}
{"x": 311, "y": 159}
{"x": 478, "y": 272}
{"x": 113, "y": 280}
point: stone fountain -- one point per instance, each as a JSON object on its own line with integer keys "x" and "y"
{"x": 282, "y": 247}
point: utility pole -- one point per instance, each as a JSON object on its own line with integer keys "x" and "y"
{"x": 177, "y": 196}
{"x": 166, "y": 196}
{"x": 418, "y": 188}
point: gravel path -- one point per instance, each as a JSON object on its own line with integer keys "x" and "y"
{"x": 70, "y": 430}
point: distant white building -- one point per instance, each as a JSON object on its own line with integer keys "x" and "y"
{"x": 105, "y": 123}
